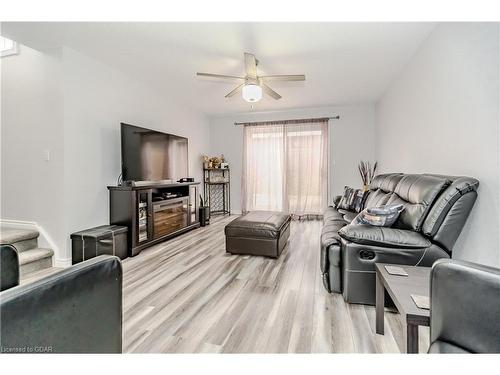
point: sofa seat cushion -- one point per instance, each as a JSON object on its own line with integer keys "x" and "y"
{"x": 346, "y": 215}
{"x": 261, "y": 224}
{"x": 389, "y": 237}
{"x": 350, "y": 216}
{"x": 332, "y": 214}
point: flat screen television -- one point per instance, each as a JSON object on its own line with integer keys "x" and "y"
{"x": 149, "y": 155}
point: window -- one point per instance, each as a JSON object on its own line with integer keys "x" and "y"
{"x": 285, "y": 167}
{"x": 8, "y": 47}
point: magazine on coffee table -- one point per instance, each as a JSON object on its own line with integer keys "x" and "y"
{"x": 394, "y": 270}
{"x": 422, "y": 302}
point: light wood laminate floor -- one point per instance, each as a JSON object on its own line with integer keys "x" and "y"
{"x": 188, "y": 295}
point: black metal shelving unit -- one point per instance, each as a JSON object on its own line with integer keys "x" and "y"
{"x": 217, "y": 190}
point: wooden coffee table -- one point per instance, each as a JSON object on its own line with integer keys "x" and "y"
{"x": 400, "y": 289}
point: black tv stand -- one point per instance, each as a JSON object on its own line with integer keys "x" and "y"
{"x": 154, "y": 212}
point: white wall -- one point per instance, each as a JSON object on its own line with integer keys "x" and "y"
{"x": 442, "y": 116}
{"x": 351, "y": 140}
{"x": 72, "y": 105}
{"x": 31, "y": 187}
{"x": 97, "y": 99}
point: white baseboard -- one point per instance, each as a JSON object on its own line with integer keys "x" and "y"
{"x": 44, "y": 240}
{"x": 62, "y": 262}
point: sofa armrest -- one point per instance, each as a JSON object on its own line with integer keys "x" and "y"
{"x": 77, "y": 310}
{"x": 383, "y": 236}
{"x": 336, "y": 200}
{"x": 465, "y": 307}
{"x": 9, "y": 267}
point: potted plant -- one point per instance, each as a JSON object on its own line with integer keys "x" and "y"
{"x": 215, "y": 160}
{"x": 204, "y": 213}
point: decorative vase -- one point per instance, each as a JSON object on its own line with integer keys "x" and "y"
{"x": 204, "y": 214}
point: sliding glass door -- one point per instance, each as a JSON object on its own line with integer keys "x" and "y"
{"x": 285, "y": 167}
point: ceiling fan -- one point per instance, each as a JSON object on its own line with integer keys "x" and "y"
{"x": 252, "y": 84}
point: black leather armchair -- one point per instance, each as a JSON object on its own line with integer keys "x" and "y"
{"x": 9, "y": 267}
{"x": 77, "y": 310}
{"x": 465, "y": 308}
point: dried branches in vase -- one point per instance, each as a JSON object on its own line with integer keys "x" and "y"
{"x": 367, "y": 172}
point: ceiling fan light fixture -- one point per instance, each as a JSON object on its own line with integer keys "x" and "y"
{"x": 252, "y": 85}
{"x": 252, "y": 93}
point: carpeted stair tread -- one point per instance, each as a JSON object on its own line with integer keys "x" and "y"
{"x": 33, "y": 255}
{"x": 9, "y": 236}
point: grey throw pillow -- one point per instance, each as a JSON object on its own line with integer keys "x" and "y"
{"x": 353, "y": 199}
{"x": 383, "y": 216}
{"x": 346, "y": 198}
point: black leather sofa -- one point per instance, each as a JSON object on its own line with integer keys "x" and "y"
{"x": 465, "y": 308}
{"x": 77, "y": 310}
{"x": 436, "y": 208}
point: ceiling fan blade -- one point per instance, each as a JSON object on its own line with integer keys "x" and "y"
{"x": 235, "y": 91}
{"x": 250, "y": 65}
{"x": 285, "y": 77}
{"x": 220, "y": 76}
{"x": 269, "y": 91}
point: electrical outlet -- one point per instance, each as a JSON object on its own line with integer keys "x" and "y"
{"x": 47, "y": 155}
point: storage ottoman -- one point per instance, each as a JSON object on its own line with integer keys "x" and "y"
{"x": 102, "y": 240}
{"x": 258, "y": 233}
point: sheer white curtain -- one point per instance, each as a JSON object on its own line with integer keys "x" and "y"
{"x": 285, "y": 166}
{"x": 263, "y": 166}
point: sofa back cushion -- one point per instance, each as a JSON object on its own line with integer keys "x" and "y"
{"x": 443, "y": 205}
{"x": 381, "y": 189}
{"x": 449, "y": 212}
{"x": 386, "y": 182}
{"x": 377, "y": 198}
{"x": 417, "y": 193}
{"x": 436, "y": 205}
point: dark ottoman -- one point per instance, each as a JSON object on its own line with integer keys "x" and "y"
{"x": 258, "y": 233}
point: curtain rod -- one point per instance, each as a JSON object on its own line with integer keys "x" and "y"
{"x": 291, "y": 121}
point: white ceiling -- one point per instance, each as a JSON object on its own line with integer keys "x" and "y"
{"x": 344, "y": 63}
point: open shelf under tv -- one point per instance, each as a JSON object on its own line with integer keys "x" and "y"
{"x": 154, "y": 212}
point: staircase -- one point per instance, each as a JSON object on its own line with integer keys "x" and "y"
{"x": 31, "y": 257}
